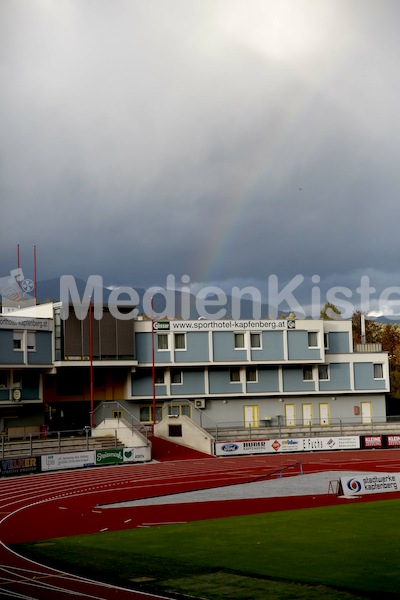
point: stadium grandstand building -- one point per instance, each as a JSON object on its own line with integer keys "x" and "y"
{"x": 250, "y": 373}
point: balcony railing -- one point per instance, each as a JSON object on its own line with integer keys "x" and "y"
{"x": 368, "y": 347}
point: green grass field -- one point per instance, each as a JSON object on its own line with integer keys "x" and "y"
{"x": 349, "y": 551}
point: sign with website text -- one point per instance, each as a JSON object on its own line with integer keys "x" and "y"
{"x": 222, "y": 325}
{"x": 24, "y": 323}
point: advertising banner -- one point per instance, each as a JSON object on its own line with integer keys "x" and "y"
{"x": 351, "y": 442}
{"x": 274, "y": 446}
{"x": 19, "y": 466}
{"x": 110, "y": 456}
{"x": 139, "y": 454}
{"x": 393, "y": 441}
{"x": 12, "y": 322}
{"x": 72, "y": 460}
{"x": 235, "y": 448}
{"x": 370, "y": 483}
{"x": 372, "y": 441}
{"x": 221, "y": 325}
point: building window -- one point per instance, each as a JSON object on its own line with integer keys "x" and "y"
{"x": 326, "y": 341}
{"x": 159, "y": 376}
{"x": 146, "y": 414}
{"x": 323, "y": 372}
{"x": 307, "y": 374}
{"x": 117, "y": 414}
{"x": 31, "y": 341}
{"x": 175, "y": 430}
{"x": 162, "y": 341}
{"x": 313, "y": 339}
{"x": 17, "y": 340}
{"x": 239, "y": 340}
{"x": 3, "y": 379}
{"x": 176, "y": 376}
{"x": 180, "y": 341}
{"x": 17, "y": 379}
{"x": 255, "y": 340}
{"x": 180, "y": 409}
{"x": 378, "y": 371}
{"x": 251, "y": 375}
{"x": 234, "y": 375}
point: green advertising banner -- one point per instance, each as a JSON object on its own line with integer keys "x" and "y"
{"x": 111, "y": 456}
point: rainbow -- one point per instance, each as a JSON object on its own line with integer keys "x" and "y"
{"x": 228, "y": 221}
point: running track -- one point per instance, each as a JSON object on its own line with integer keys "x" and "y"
{"x": 40, "y": 507}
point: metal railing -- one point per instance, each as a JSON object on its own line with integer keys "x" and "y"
{"x": 105, "y": 410}
{"x": 279, "y": 426}
{"x": 52, "y": 442}
{"x": 197, "y": 415}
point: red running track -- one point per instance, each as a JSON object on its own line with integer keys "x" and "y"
{"x": 44, "y": 506}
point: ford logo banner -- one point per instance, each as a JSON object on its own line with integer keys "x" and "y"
{"x": 230, "y": 447}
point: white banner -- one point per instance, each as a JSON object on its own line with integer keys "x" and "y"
{"x": 370, "y": 483}
{"x": 58, "y": 462}
{"x": 24, "y": 323}
{"x": 221, "y": 325}
{"x": 138, "y": 454}
{"x": 275, "y": 446}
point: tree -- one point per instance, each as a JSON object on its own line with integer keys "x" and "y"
{"x": 389, "y": 337}
{"x": 330, "y": 312}
{"x": 373, "y": 330}
{"x": 390, "y": 340}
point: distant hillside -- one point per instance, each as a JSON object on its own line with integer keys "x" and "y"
{"x": 49, "y": 290}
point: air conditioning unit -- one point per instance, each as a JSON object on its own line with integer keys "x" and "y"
{"x": 201, "y": 403}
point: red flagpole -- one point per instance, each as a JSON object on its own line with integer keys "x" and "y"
{"x": 153, "y": 367}
{"x": 91, "y": 364}
{"x": 34, "y": 272}
{"x": 18, "y": 276}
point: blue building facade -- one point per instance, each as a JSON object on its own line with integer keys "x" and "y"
{"x": 255, "y": 372}
{"x": 247, "y": 373}
{"x": 26, "y": 354}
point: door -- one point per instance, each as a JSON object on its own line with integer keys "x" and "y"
{"x": 290, "y": 415}
{"x": 251, "y": 416}
{"x": 366, "y": 412}
{"x": 307, "y": 414}
{"x": 324, "y": 417}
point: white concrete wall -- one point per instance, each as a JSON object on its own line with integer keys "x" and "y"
{"x": 193, "y": 436}
{"x": 125, "y": 434}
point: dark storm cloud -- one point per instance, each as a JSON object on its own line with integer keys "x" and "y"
{"x": 225, "y": 140}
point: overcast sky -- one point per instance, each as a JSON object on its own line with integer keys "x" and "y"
{"x": 226, "y": 140}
